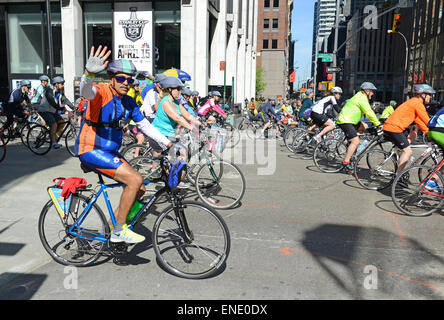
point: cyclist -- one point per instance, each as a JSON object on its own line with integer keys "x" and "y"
{"x": 44, "y": 81}
{"x": 267, "y": 114}
{"x": 170, "y": 113}
{"x": 185, "y": 101}
{"x": 134, "y": 92}
{"x": 323, "y": 112}
{"x": 397, "y": 126}
{"x": 18, "y": 99}
{"x": 307, "y": 103}
{"x": 100, "y": 136}
{"x": 209, "y": 105}
{"x": 152, "y": 98}
{"x": 349, "y": 119}
{"x": 388, "y": 110}
{"x": 436, "y": 133}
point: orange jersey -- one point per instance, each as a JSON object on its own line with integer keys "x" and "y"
{"x": 412, "y": 110}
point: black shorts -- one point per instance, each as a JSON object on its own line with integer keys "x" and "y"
{"x": 157, "y": 147}
{"x": 399, "y": 139}
{"x": 350, "y": 130}
{"x": 318, "y": 119}
{"x": 51, "y": 117}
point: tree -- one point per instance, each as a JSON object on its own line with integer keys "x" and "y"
{"x": 260, "y": 84}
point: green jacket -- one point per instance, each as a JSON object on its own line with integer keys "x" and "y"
{"x": 355, "y": 109}
{"x": 387, "y": 112}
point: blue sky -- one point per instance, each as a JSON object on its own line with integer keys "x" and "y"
{"x": 302, "y": 32}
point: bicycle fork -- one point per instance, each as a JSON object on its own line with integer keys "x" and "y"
{"x": 181, "y": 220}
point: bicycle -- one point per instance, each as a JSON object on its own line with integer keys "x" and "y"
{"x": 190, "y": 239}
{"x": 39, "y": 137}
{"x": 411, "y": 193}
{"x": 21, "y": 126}
{"x": 329, "y": 154}
{"x": 375, "y": 169}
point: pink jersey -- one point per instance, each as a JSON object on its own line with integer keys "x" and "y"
{"x": 210, "y": 105}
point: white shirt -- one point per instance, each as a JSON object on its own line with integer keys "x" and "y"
{"x": 322, "y": 106}
{"x": 152, "y": 98}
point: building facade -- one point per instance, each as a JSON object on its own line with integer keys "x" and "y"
{"x": 212, "y": 40}
{"x": 274, "y": 46}
{"x": 427, "y": 45}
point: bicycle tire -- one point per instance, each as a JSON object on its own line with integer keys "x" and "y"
{"x": 209, "y": 186}
{"x": 2, "y": 149}
{"x": 129, "y": 151}
{"x": 290, "y": 135}
{"x": 367, "y": 169}
{"x": 212, "y": 243}
{"x": 70, "y": 140}
{"x": 38, "y": 140}
{"x": 24, "y": 133}
{"x": 407, "y": 195}
{"x": 329, "y": 154}
{"x": 96, "y": 225}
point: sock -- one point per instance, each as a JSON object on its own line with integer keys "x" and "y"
{"x": 118, "y": 227}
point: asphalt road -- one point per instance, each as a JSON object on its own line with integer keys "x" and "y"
{"x": 299, "y": 234}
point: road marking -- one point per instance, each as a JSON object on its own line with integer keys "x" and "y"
{"x": 401, "y": 234}
{"x": 289, "y": 251}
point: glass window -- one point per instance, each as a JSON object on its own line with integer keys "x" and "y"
{"x": 275, "y": 3}
{"x": 266, "y": 24}
{"x": 265, "y": 44}
{"x": 274, "y": 44}
{"x": 266, "y": 3}
{"x": 98, "y": 20}
{"x": 56, "y": 30}
{"x": 25, "y": 39}
{"x": 166, "y": 35}
{"x": 275, "y": 23}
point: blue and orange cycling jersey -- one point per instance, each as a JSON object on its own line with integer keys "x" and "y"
{"x": 102, "y": 109}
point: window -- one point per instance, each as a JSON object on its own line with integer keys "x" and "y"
{"x": 274, "y": 44}
{"x": 266, "y": 24}
{"x": 266, "y": 3}
{"x": 98, "y": 20}
{"x": 275, "y": 3}
{"x": 275, "y": 23}
{"x": 265, "y": 44}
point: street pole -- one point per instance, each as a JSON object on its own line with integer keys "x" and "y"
{"x": 335, "y": 49}
{"x": 50, "y": 48}
{"x": 404, "y": 84}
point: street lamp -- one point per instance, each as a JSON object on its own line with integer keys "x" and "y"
{"x": 406, "y": 60}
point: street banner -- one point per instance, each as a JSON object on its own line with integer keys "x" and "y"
{"x": 133, "y": 34}
{"x": 292, "y": 76}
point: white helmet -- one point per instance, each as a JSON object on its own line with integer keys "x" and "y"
{"x": 336, "y": 90}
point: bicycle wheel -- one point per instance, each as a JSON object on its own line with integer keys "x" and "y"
{"x": 146, "y": 166}
{"x": 329, "y": 155}
{"x": 24, "y": 133}
{"x": 136, "y": 150}
{"x": 69, "y": 249}
{"x": 199, "y": 255}
{"x": 38, "y": 140}
{"x": 375, "y": 169}
{"x": 292, "y": 135}
{"x": 220, "y": 184}
{"x": 2, "y": 149}
{"x": 70, "y": 140}
{"x": 233, "y": 136}
{"x": 409, "y": 195}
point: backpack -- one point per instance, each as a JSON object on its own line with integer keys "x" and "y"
{"x": 177, "y": 173}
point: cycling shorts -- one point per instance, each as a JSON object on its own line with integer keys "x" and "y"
{"x": 350, "y": 130}
{"x": 318, "y": 119}
{"x": 103, "y": 162}
{"x": 51, "y": 118}
{"x": 399, "y": 139}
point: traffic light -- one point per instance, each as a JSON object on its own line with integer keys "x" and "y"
{"x": 396, "y": 22}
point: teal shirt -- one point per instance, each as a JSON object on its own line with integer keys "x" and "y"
{"x": 162, "y": 122}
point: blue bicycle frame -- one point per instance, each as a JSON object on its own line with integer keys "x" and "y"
{"x": 103, "y": 188}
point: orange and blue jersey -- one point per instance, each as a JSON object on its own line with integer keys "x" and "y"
{"x": 98, "y": 146}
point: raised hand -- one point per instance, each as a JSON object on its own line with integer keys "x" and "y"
{"x": 97, "y": 60}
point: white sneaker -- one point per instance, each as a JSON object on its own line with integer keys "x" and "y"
{"x": 126, "y": 235}
{"x": 317, "y": 139}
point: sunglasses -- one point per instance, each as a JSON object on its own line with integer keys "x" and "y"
{"x": 122, "y": 79}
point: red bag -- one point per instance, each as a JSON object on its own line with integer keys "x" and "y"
{"x": 69, "y": 185}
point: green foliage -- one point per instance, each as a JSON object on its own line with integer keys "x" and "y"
{"x": 260, "y": 84}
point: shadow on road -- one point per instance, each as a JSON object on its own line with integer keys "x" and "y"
{"x": 400, "y": 268}
{"x": 17, "y": 162}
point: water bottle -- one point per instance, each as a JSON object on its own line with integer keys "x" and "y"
{"x": 362, "y": 145}
{"x": 134, "y": 211}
